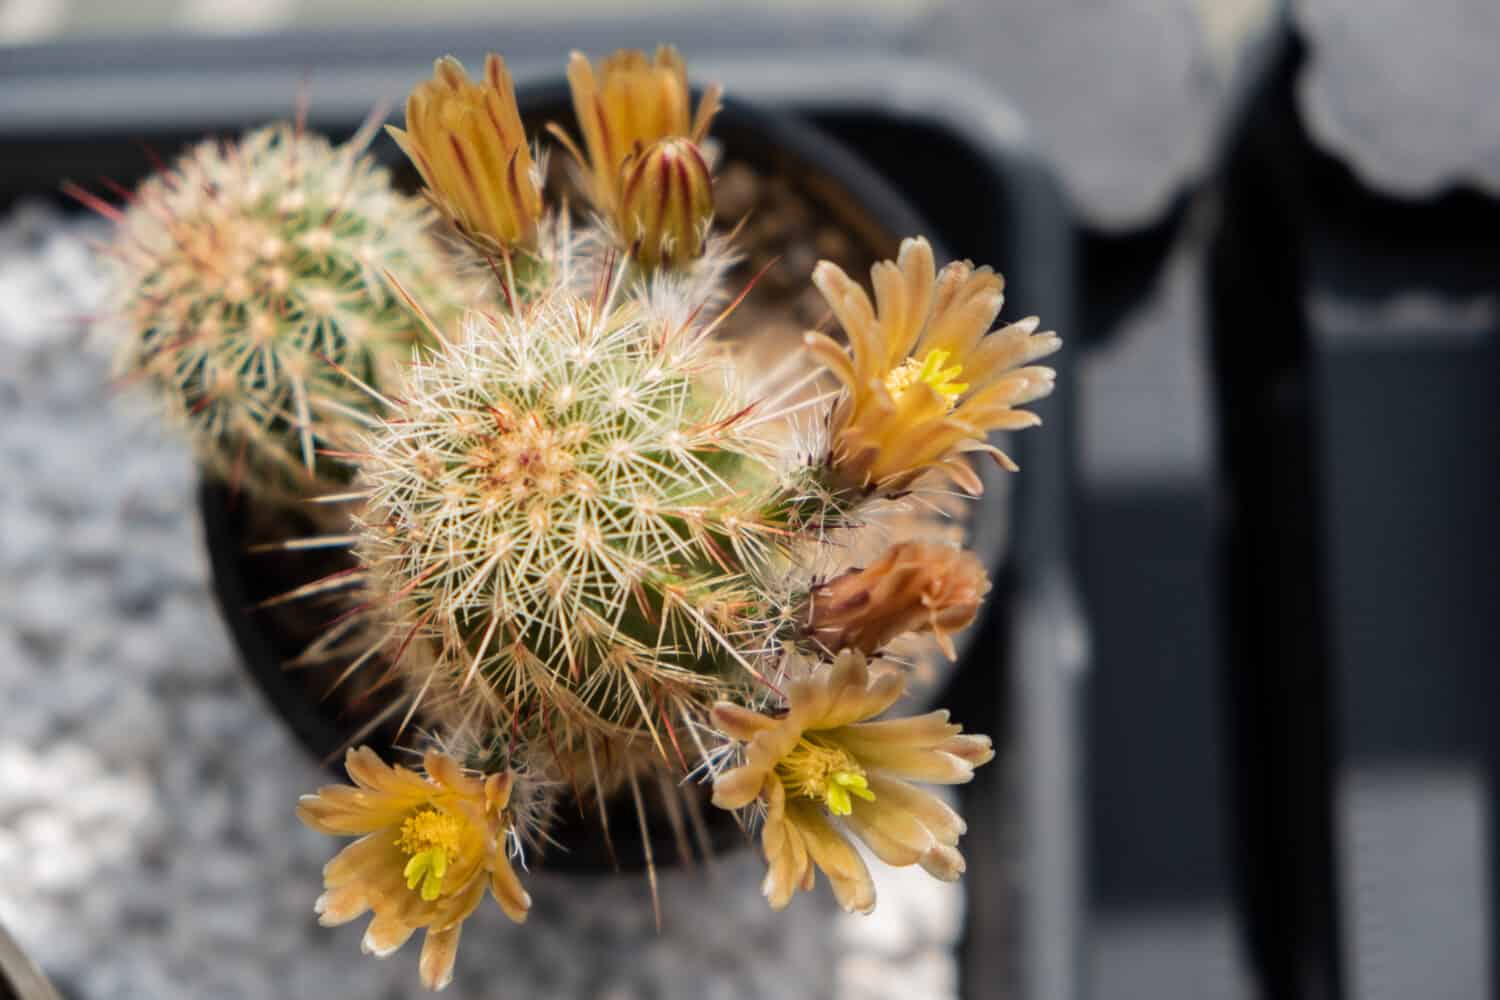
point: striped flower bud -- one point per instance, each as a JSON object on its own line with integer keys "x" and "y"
{"x": 666, "y": 204}
{"x": 466, "y": 139}
{"x": 627, "y": 104}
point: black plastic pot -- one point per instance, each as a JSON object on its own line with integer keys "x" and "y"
{"x": 825, "y": 173}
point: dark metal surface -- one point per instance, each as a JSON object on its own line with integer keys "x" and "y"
{"x": 1358, "y": 340}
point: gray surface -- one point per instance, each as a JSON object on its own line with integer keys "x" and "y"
{"x": 1126, "y": 97}
{"x": 147, "y": 835}
{"x": 1415, "y": 844}
{"x": 1129, "y": 98}
{"x": 1405, "y": 92}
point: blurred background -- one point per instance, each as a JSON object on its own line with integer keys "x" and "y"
{"x": 1242, "y": 664}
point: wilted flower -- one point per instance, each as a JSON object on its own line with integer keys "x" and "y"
{"x": 632, "y": 103}
{"x": 428, "y": 847}
{"x": 823, "y": 760}
{"x": 923, "y": 382}
{"x": 466, "y": 140}
{"x": 666, "y": 204}
{"x": 913, "y": 587}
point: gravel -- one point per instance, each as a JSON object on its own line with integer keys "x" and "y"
{"x": 147, "y": 835}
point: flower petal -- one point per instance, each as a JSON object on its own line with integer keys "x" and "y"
{"x": 508, "y": 891}
{"x": 833, "y": 357}
{"x": 973, "y": 748}
{"x": 940, "y": 819}
{"x": 362, "y": 859}
{"x": 836, "y": 857}
{"x": 944, "y": 862}
{"x": 385, "y": 935}
{"x": 738, "y": 788}
{"x": 439, "y": 950}
{"x": 965, "y": 304}
{"x": 896, "y": 837}
{"x": 916, "y": 730}
{"x": 788, "y": 867}
{"x": 447, "y": 773}
{"x": 341, "y": 905}
{"x": 914, "y": 763}
{"x": 740, "y": 723}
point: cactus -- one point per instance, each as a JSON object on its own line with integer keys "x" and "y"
{"x": 574, "y": 504}
{"x": 594, "y": 551}
{"x": 251, "y": 285}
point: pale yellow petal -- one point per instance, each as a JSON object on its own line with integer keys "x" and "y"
{"x": 965, "y": 305}
{"x": 882, "y": 693}
{"x": 448, "y": 774}
{"x": 940, "y": 819}
{"x": 835, "y": 857}
{"x": 845, "y": 683}
{"x": 959, "y": 472}
{"x": 740, "y": 723}
{"x": 508, "y": 891}
{"x": 902, "y": 298}
{"x": 807, "y": 701}
{"x": 915, "y": 764}
{"x": 455, "y": 904}
{"x": 364, "y": 859}
{"x": 497, "y": 789}
{"x": 914, "y": 730}
{"x": 833, "y": 357}
{"x": 369, "y": 772}
{"x": 896, "y": 837}
{"x": 973, "y": 748}
{"x": 739, "y": 787}
{"x": 943, "y": 862}
{"x": 439, "y": 950}
{"x": 856, "y": 316}
{"x": 341, "y": 905}
{"x": 385, "y": 934}
{"x": 787, "y": 864}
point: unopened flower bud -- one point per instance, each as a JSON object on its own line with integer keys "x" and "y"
{"x": 466, "y": 139}
{"x": 623, "y": 108}
{"x": 666, "y": 204}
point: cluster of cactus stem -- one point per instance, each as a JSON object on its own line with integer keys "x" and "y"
{"x": 593, "y": 547}
{"x": 252, "y": 293}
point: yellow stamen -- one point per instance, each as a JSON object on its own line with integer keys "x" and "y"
{"x": 432, "y": 838}
{"x": 827, "y": 773}
{"x": 929, "y": 370}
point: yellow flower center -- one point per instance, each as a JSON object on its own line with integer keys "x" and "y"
{"x": 431, "y": 839}
{"x": 931, "y": 371}
{"x": 827, "y": 773}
